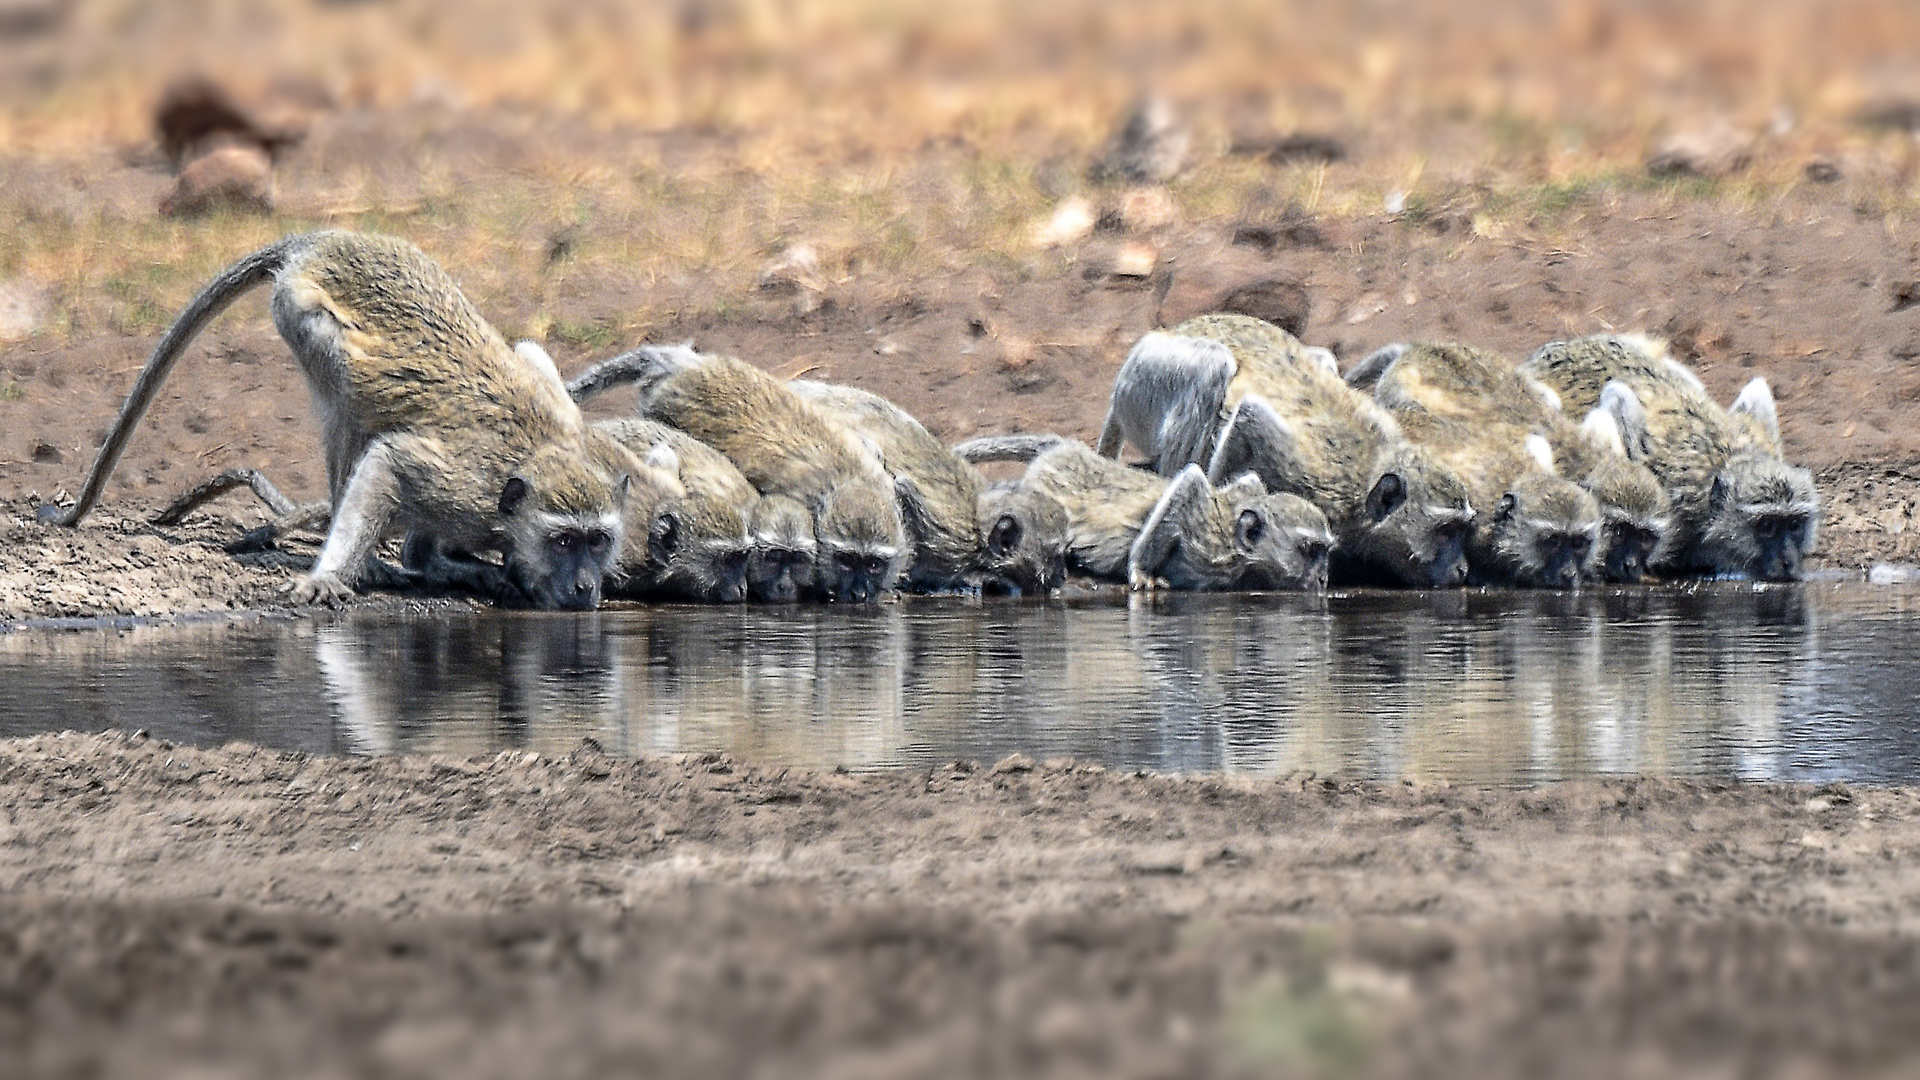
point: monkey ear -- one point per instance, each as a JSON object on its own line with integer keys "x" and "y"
{"x": 1004, "y": 536}
{"x": 1248, "y": 528}
{"x": 1504, "y": 509}
{"x": 1619, "y": 399}
{"x": 1756, "y": 400}
{"x": 622, "y": 487}
{"x": 663, "y": 539}
{"x": 512, "y": 495}
{"x": 1388, "y": 493}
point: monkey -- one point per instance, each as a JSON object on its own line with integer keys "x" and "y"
{"x": 783, "y": 554}
{"x": 1634, "y": 509}
{"x": 966, "y": 534}
{"x": 1472, "y": 411}
{"x": 430, "y": 421}
{"x": 1233, "y": 393}
{"x": 1739, "y": 510}
{"x": 784, "y": 446}
{"x": 1130, "y": 525}
{"x": 698, "y": 547}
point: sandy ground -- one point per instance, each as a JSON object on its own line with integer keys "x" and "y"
{"x": 171, "y": 911}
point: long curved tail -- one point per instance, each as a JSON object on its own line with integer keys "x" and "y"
{"x": 225, "y": 289}
{"x": 1006, "y": 448}
{"x": 643, "y": 366}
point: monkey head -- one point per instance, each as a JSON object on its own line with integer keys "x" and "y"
{"x": 782, "y": 552}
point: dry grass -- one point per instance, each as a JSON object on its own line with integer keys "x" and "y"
{"x": 665, "y": 142}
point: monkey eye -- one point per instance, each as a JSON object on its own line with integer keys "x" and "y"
{"x": 1449, "y": 531}
{"x": 847, "y": 561}
{"x": 565, "y": 541}
{"x": 1314, "y": 550}
{"x": 598, "y": 541}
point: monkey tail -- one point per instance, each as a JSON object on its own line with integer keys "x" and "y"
{"x": 643, "y": 366}
{"x": 225, "y": 289}
{"x": 1111, "y": 435}
{"x": 1006, "y": 448}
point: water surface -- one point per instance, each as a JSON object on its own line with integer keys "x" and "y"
{"x": 1804, "y": 682}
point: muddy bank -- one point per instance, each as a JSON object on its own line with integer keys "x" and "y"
{"x": 265, "y": 914}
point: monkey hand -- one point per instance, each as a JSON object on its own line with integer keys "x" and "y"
{"x": 319, "y": 589}
{"x": 1140, "y": 581}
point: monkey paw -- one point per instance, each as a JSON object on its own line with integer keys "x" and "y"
{"x": 1141, "y": 581}
{"x": 319, "y": 589}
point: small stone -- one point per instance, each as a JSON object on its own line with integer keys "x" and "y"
{"x": 1150, "y": 146}
{"x": 1069, "y": 223}
{"x": 1013, "y": 763}
{"x": 232, "y": 177}
{"x": 47, "y": 454}
{"x": 1714, "y": 150}
{"x": 1134, "y": 260}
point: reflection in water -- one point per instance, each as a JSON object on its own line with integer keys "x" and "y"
{"x": 1777, "y": 682}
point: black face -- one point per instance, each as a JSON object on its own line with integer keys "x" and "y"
{"x": 1561, "y": 557}
{"x": 1781, "y": 540}
{"x": 1449, "y": 565}
{"x": 780, "y": 575}
{"x": 1629, "y": 550}
{"x": 729, "y": 576}
{"x": 574, "y": 562}
{"x": 859, "y": 577}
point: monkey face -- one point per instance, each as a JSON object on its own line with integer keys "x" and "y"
{"x": 698, "y": 550}
{"x": 1542, "y": 533}
{"x": 861, "y": 542}
{"x": 558, "y": 551}
{"x": 856, "y": 574}
{"x": 1416, "y": 522}
{"x": 781, "y": 552}
{"x": 1762, "y": 519}
{"x": 1629, "y": 545}
{"x": 1283, "y": 542}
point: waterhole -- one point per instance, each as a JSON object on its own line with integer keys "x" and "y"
{"x": 1806, "y": 682}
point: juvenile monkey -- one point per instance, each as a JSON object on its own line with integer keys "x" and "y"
{"x": 430, "y": 421}
{"x": 1470, "y": 409}
{"x": 697, "y": 547}
{"x": 966, "y": 533}
{"x": 1634, "y": 510}
{"x": 784, "y": 446}
{"x": 1233, "y": 393}
{"x": 1130, "y": 525}
{"x": 1739, "y": 510}
{"x": 783, "y": 559}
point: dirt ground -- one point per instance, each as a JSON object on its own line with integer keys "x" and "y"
{"x": 171, "y": 911}
{"x": 598, "y": 173}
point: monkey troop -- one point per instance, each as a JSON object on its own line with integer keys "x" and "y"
{"x": 1428, "y": 465}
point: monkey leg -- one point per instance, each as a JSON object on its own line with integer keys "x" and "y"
{"x": 289, "y": 515}
{"x": 1255, "y": 440}
{"x": 1160, "y": 537}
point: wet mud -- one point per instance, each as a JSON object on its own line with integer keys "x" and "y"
{"x": 170, "y": 911}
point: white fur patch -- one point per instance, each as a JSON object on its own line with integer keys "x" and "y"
{"x": 1540, "y": 451}
{"x": 1601, "y": 427}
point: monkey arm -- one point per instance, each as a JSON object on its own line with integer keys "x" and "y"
{"x": 643, "y": 366}
{"x": 1160, "y": 537}
{"x": 1256, "y": 440}
{"x": 362, "y": 519}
